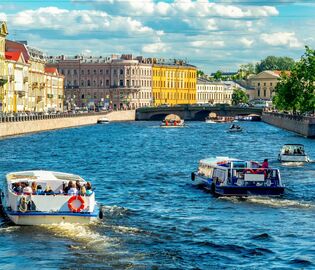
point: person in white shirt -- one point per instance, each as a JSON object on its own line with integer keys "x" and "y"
{"x": 73, "y": 190}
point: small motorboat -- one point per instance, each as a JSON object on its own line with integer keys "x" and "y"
{"x": 224, "y": 176}
{"x": 293, "y": 153}
{"x": 103, "y": 120}
{"x": 210, "y": 119}
{"x": 172, "y": 121}
{"x": 250, "y": 117}
{"x": 235, "y": 128}
{"x": 24, "y": 206}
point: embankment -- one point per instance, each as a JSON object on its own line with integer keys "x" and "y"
{"x": 23, "y": 127}
{"x": 302, "y": 125}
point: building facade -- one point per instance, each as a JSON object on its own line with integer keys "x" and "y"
{"x": 264, "y": 83}
{"x": 213, "y": 92}
{"x": 173, "y": 83}
{"x": 110, "y": 82}
{"x": 25, "y": 86}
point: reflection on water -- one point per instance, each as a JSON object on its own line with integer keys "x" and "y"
{"x": 153, "y": 217}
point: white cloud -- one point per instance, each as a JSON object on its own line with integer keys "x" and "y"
{"x": 154, "y": 47}
{"x": 281, "y": 39}
{"x": 247, "y": 42}
{"x": 73, "y": 22}
{"x": 3, "y": 17}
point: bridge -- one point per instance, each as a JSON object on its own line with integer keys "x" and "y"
{"x": 193, "y": 112}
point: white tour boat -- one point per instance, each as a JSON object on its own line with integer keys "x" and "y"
{"x": 49, "y": 205}
{"x": 103, "y": 120}
{"x": 293, "y": 153}
{"x": 224, "y": 176}
{"x": 172, "y": 121}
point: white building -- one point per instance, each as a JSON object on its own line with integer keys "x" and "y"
{"x": 213, "y": 92}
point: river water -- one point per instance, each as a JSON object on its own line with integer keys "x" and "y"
{"x": 154, "y": 217}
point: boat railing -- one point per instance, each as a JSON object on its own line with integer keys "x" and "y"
{"x": 49, "y": 203}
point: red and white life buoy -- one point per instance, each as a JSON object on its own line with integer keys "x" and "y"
{"x": 72, "y": 207}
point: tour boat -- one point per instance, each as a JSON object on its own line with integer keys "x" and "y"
{"x": 172, "y": 121}
{"x": 235, "y": 128}
{"x": 224, "y": 176}
{"x": 293, "y": 153}
{"x": 103, "y": 120}
{"x": 29, "y": 207}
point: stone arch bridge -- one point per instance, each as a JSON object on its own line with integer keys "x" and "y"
{"x": 192, "y": 112}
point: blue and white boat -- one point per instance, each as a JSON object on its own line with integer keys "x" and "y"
{"x": 225, "y": 176}
{"x": 28, "y": 207}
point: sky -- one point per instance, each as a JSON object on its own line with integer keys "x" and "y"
{"x": 213, "y": 35}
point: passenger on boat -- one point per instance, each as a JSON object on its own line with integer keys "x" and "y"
{"x": 27, "y": 189}
{"x": 83, "y": 191}
{"x": 265, "y": 164}
{"x": 17, "y": 187}
{"x": 39, "y": 190}
{"x": 48, "y": 191}
{"x": 73, "y": 190}
{"x": 78, "y": 185}
{"x": 89, "y": 189}
{"x": 34, "y": 187}
{"x": 67, "y": 188}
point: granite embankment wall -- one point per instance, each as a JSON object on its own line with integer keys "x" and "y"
{"x": 22, "y": 127}
{"x": 300, "y": 124}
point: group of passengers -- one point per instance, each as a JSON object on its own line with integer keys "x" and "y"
{"x": 73, "y": 188}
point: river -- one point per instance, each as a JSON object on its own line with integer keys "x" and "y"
{"x": 154, "y": 217}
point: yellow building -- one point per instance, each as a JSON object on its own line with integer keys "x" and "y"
{"x": 174, "y": 83}
{"x": 25, "y": 85}
{"x": 3, "y": 68}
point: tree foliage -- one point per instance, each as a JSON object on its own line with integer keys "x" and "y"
{"x": 297, "y": 91}
{"x": 200, "y": 73}
{"x": 218, "y": 75}
{"x": 239, "y": 96}
{"x": 275, "y": 63}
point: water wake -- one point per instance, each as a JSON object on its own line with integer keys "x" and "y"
{"x": 82, "y": 234}
{"x": 273, "y": 202}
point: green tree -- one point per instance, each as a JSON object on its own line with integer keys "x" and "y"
{"x": 239, "y": 96}
{"x": 275, "y": 63}
{"x": 218, "y": 75}
{"x": 200, "y": 73}
{"x": 297, "y": 91}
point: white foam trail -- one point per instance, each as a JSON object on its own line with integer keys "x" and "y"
{"x": 273, "y": 202}
{"x": 82, "y": 234}
{"x": 9, "y": 229}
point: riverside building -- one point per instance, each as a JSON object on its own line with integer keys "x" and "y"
{"x": 111, "y": 82}
{"x": 264, "y": 83}
{"x": 173, "y": 82}
{"x": 25, "y": 85}
{"x": 213, "y": 92}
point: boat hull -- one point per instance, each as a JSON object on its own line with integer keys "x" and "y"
{"x": 35, "y": 218}
{"x": 179, "y": 126}
{"x": 293, "y": 158}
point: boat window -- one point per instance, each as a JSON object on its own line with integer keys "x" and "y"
{"x": 293, "y": 150}
{"x": 220, "y": 174}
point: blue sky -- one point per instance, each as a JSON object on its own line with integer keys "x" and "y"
{"x": 212, "y": 35}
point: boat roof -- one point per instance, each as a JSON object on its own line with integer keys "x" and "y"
{"x": 42, "y": 176}
{"x": 218, "y": 160}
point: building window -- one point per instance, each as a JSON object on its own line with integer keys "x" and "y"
{"x": 107, "y": 71}
{"x": 101, "y": 71}
{"x": 82, "y": 72}
{"x": 94, "y": 71}
{"x": 75, "y": 72}
{"x": 264, "y": 84}
{"x": 88, "y": 83}
{"x": 107, "y": 82}
{"x": 68, "y": 72}
{"x": 258, "y": 92}
{"x": 88, "y": 72}
{"x": 82, "y": 83}
{"x": 121, "y": 71}
{"x": 271, "y": 84}
{"x": 121, "y": 83}
{"x": 258, "y": 84}
{"x": 82, "y": 96}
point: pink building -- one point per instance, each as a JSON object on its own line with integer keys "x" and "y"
{"x": 110, "y": 82}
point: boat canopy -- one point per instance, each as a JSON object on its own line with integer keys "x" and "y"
{"x": 173, "y": 117}
{"x": 41, "y": 176}
{"x": 293, "y": 149}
